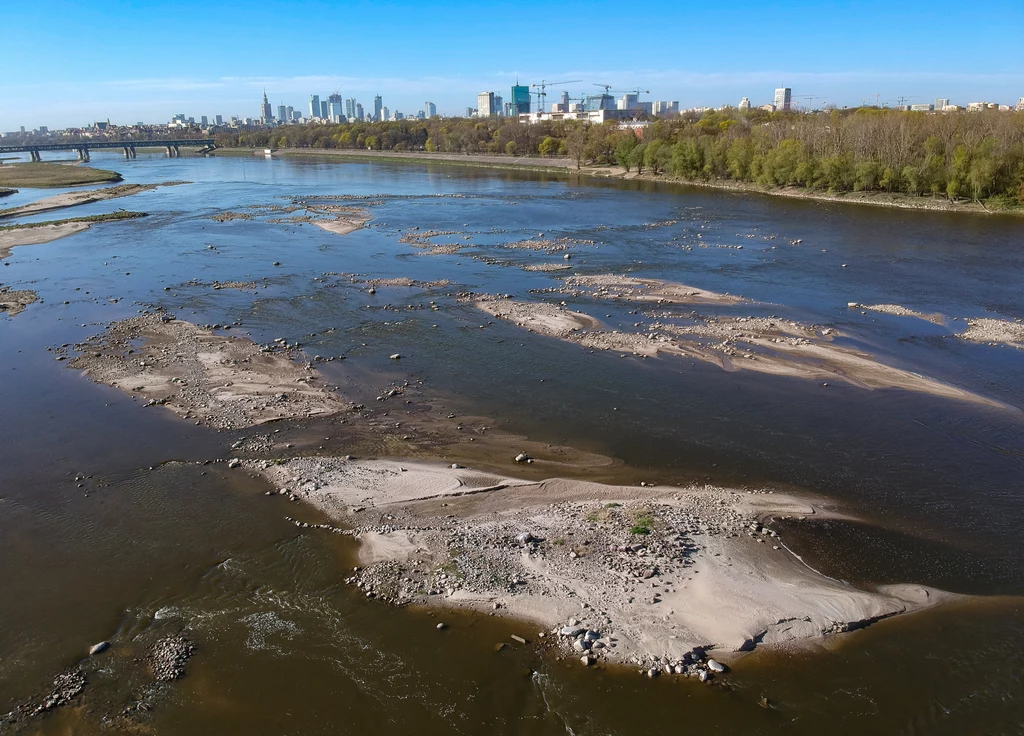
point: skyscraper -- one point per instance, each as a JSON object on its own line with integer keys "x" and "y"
{"x": 359, "y": 111}
{"x": 203, "y": 121}
{"x": 498, "y": 105}
{"x": 335, "y": 107}
{"x": 282, "y": 114}
{"x": 314, "y": 106}
{"x": 784, "y": 98}
{"x": 350, "y": 107}
{"x": 430, "y": 109}
{"x": 268, "y": 113}
{"x": 324, "y": 113}
{"x": 290, "y": 113}
{"x": 520, "y": 98}
{"x": 378, "y": 104}
{"x": 219, "y": 119}
{"x": 384, "y": 114}
{"x": 940, "y": 103}
{"x": 485, "y": 104}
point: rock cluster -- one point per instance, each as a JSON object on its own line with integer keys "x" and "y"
{"x": 168, "y": 656}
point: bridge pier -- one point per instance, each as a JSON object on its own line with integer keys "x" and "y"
{"x": 35, "y": 155}
{"x": 83, "y": 154}
{"x": 170, "y": 152}
{"x": 131, "y": 150}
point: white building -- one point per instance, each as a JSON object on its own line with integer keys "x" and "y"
{"x": 784, "y": 98}
{"x": 745, "y": 104}
{"x": 430, "y": 109}
{"x": 1020, "y": 105}
{"x": 485, "y": 104}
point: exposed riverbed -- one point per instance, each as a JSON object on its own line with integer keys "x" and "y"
{"x": 273, "y": 328}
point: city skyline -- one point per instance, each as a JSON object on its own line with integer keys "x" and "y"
{"x": 893, "y": 52}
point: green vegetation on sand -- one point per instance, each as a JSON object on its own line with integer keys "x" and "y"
{"x": 119, "y": 215}
{"x": 53, "y": 175}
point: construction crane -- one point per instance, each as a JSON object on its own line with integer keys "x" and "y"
{"x": 542, "y": 86}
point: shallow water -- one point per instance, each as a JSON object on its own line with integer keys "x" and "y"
{"x": 151, "y": 540}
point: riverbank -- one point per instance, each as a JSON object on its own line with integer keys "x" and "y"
{"x": 568, "y": 166}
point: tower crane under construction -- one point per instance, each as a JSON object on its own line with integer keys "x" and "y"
{"x": 541, "y": 90}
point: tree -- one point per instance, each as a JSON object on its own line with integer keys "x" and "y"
{"x": 510, "y": 148}
{"x": 548, "y": 146}
{"x": 624, "y": 148}
{"x": 576, "y": 145}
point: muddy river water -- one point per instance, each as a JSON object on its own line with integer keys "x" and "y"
{"x": 113, "y": 525}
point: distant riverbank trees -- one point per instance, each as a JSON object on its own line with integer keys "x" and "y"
{"x": 976, "y": 156}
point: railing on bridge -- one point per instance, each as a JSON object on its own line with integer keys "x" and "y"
{"x": 205, "y": 144}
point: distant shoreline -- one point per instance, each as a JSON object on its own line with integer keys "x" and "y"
{"x": 567, "y": 166}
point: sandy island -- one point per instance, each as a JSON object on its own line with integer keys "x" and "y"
{"x": 34, "y": 235}
{"x": 995, "y": 331}
{"x": 13, "y": 302}
{"x": 222, "y": 382}
{"x": 72, "y": 199}
{"x": 608, "y": 286}
{"x": 765, "y": 345}
{"x": 900, "y": 311}
{"x": 654, "y": 576}
{"x": 643, "y": 575}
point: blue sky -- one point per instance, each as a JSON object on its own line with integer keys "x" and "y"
{"x": 69, "y": 63}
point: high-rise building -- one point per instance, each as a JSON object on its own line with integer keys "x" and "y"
{"x": 1020, "y": 105}
{"x": 314, "y": 106}
{"x": 628, "y": 101}
{"x": 520, "y": 99}
{"x": 665, "y": 109}
{"x": 384, "y": 113}
{"x": 745, "y": 104}
{"x": 470, "y": 112}
{"x": 510, "y": 110}
{"x": 378, "y": 106}
{"x": 325, "y": 113}
{"x": 599, "y": 102}
{"x": 268, "y": 113}
{"x": 350, "y": 107}
{"x": 282, "y": 114}
{"x": 941, "y": 102}
{"x": 498, "y": 107}
{"x": 290, "y": 113}
{"x": 430, "y": 109}
{"x": 334, "y": 111}
{"x": 485, "y": 104}
{"x": 421, "y": 115}
{"x": 784, "y": 98}
{"x": 219, "y": 119}
{"x": 202, "y": 121}
{"x": 359, "y": 111}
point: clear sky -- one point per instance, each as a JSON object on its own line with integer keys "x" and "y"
{"x": 70, "y": 63}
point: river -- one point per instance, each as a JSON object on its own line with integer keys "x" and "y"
{"x": 113, "y": 528}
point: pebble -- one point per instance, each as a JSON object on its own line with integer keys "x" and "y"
{"x": 97, "y": 648}
{"x": 440, "y": 626}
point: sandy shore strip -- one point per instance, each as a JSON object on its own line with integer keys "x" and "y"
{"x": 547, "y": 319}
{"x": 13, "y": 302}
{"x": 995, "y": 332}
{"x": 652, "y": 576}
{"x": 899, "y": 311}
{"x": 628, "y": 288}
{"x": 765, "y": 345}
{"x": 218, "y": 381}
{"x": 34, "y": 235}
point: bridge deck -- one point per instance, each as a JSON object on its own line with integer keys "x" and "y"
{"x": 200, "y": 142}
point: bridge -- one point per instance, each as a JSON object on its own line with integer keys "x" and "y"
{"x": 204, "y": 144}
